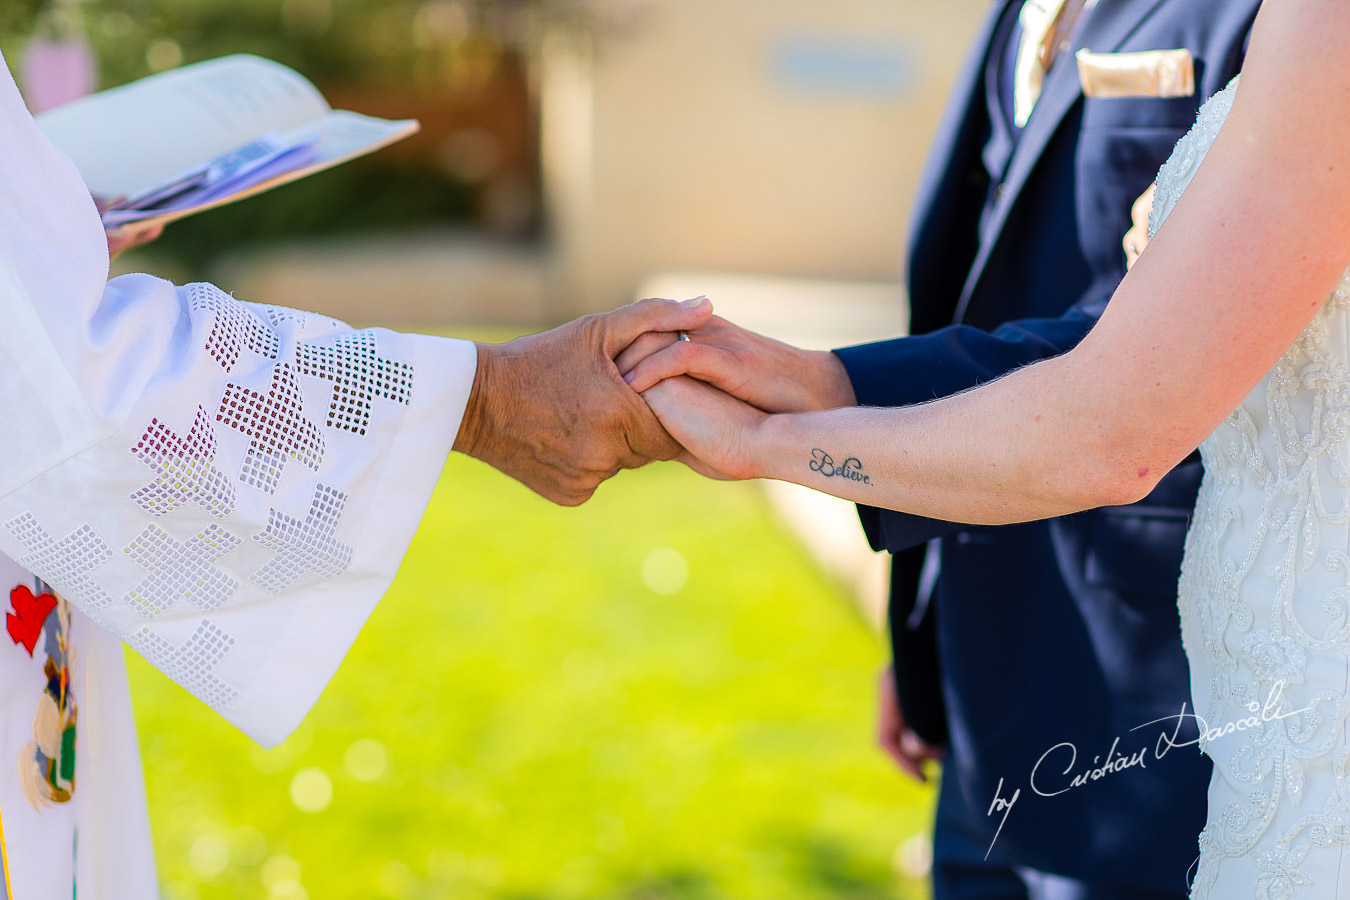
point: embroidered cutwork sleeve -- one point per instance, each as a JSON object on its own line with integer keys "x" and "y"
{"x": 257, "y": 476}
{"x": 227, "y": 486}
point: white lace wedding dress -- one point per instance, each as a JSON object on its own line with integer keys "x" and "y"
{"x": 1265, "y": 607}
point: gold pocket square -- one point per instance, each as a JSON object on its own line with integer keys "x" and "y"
{"x": 1150, "y": 73}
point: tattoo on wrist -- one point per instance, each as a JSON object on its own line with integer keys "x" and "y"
{"x": 849, "y": 470}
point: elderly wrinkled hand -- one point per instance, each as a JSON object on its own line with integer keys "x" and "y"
{"x": 126, "y": 237}
{"x": 552, "y": 411}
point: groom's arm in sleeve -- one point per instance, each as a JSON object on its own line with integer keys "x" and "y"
{"x": 916, "y": 369}
{"x": 779, "y": 377}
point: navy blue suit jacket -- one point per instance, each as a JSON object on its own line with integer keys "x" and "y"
{"x": 1059, "y": 637}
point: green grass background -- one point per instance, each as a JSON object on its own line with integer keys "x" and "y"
{"x": 554, "y": 728}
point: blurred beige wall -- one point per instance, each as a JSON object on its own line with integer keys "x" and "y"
{"x": 782, "y": 137}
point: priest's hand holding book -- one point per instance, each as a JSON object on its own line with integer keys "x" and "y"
{"x": 122, "y": 238}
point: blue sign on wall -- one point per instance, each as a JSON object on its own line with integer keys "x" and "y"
{"x": 821, "y": 64}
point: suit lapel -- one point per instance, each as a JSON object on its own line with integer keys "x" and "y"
{"x": 968, "y": 102}
{"x": 1106, "y": 28}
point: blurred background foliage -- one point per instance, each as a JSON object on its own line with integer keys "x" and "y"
{"x": 465, "y": 68}
{"x": 425, "y": 44}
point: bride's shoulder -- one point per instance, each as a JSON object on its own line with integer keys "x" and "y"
{"x": 1297, "y": 34}
{"x": 1295, "y": 75}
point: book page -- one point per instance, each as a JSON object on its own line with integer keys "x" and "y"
{"x": 340, "y": 136}
{"x": 335, "y": 138}
{"x": 128, "y": 140}
{"x": 215, "y": 179}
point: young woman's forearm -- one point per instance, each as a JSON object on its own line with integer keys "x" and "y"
{"x": 1030, "y": 446}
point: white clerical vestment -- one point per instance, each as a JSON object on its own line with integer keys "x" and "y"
{"x": 227, "y": 487}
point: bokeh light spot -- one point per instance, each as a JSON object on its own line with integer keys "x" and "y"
{"x": 163, "y": 54}
{"x": 279, "y": 871}
{"x": 665, "y": 570}
{"x": 208, "y": 856}
{"x": 365, "y": 760}
{"x": 311, "y": 790}
{"x": 397, "y": 880}
{"x": 914, "y": 857}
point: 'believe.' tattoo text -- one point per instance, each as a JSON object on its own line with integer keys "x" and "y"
{"x": 849, "y": 470}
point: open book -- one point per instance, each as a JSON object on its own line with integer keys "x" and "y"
{"x": 207, "y": 134}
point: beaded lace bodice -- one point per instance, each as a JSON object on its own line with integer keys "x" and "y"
{"x": 1265, "y": 604}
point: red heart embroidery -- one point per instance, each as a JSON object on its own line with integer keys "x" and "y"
{"x": 30, "y": 613}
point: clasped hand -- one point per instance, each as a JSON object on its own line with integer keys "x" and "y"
{"x": 563, "y": 410}
{"x": 714, "y": 390}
